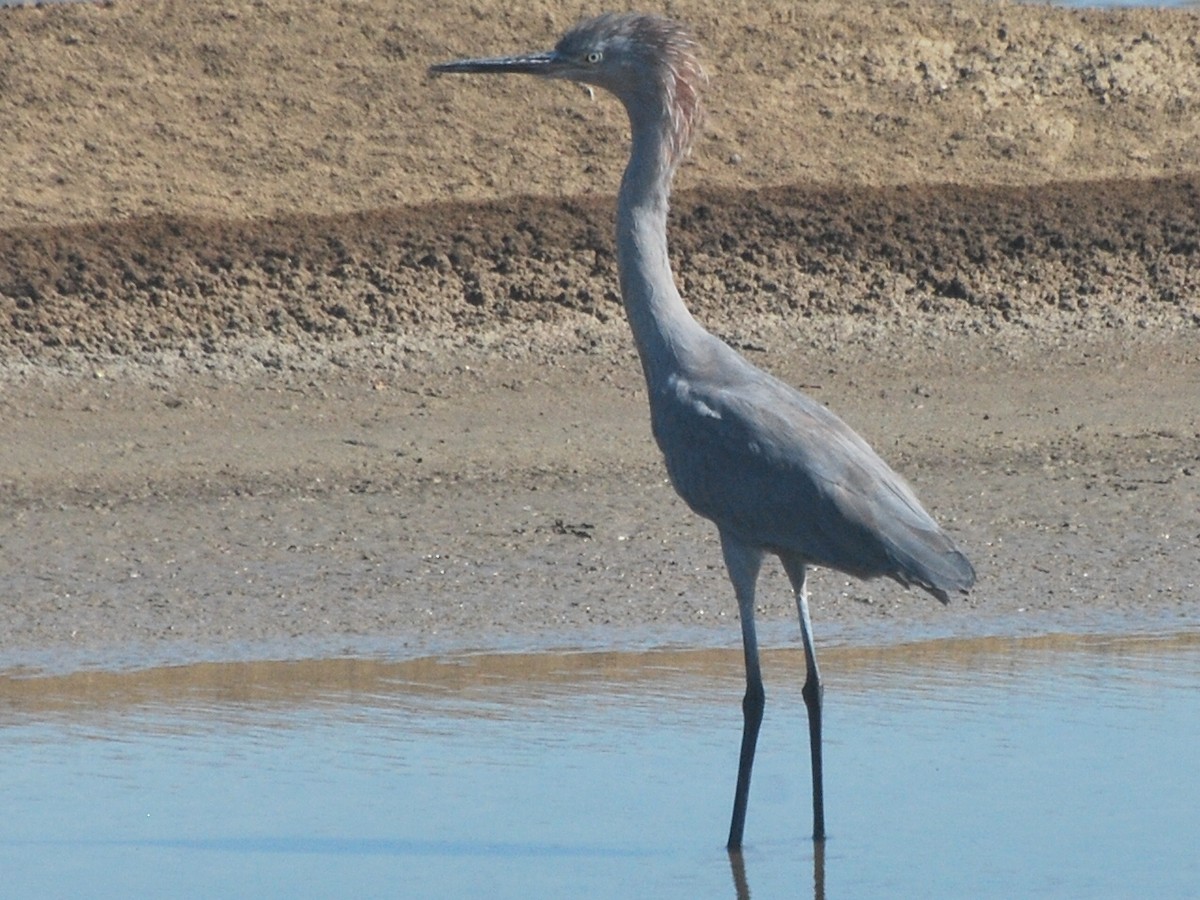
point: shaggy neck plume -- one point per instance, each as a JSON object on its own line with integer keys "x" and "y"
{"x": 663, "y": 121}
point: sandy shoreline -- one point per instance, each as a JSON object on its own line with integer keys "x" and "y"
{"x": 505, "y": 506}
{"x": 255, "y": 406}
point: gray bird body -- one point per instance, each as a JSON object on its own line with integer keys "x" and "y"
{"x": 779, "y": 471}
{"x": 772, "y": 468}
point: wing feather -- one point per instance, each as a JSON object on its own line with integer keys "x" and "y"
{"x": 782, "y": 472}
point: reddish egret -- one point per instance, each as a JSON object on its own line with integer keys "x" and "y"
{"x": 773, "y": 469}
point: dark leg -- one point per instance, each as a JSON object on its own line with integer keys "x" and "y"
{"x": 752, "y": 712}
{"x": 811, "y": 693}
{"x": 743, "y": 564}
{"x": 812, "y": 700}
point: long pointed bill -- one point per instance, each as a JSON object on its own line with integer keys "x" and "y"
{"x": 525, "y": 64}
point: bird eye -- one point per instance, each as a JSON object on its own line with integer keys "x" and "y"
{"x": 594, "y": 57}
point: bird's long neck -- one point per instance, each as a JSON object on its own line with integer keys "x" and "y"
{"x": 662, "y": 327}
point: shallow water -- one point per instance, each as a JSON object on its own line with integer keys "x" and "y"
{"x": 1060, "y": 766}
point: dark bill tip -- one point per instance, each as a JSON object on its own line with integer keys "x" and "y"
{"x": 526, "y": 64}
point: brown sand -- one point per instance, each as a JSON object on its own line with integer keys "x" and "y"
{"x": 304, "y": 351}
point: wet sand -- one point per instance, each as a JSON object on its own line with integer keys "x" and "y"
{"x": 195, "y": 517}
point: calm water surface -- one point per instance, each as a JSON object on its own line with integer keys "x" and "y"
{"x": 1063, "y": 767}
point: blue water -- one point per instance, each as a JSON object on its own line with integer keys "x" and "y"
{"x": 1060, "y": 767}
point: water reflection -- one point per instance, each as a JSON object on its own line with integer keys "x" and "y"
{"x": 956, "y": 768}
{"x": 741, "y": 883}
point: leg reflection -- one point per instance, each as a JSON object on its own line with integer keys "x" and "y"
{"x": 819, "y": 870}
{"x": 741, "y": 884}
{"x": 737, "y": 866}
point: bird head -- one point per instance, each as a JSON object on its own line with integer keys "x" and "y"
{"x": 648, "y": 62}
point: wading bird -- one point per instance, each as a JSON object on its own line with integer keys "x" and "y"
{"x": 773, "y": 469}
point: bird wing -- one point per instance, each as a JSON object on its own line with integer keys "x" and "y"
{"x": 781, "y": 472}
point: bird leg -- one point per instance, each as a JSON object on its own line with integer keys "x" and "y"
{"x": 797, "y": 573}
{"x": 753, "y": 704}
{"x": 743, "y": 564}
